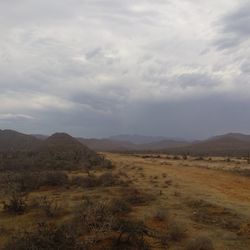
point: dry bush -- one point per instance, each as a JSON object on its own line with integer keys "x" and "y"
{"x": 164, "y": 175}
{"x": 137, "y": 197}
{"x": 45, "y": 237}
{"x": 107, "y": 180}
{"x": 200, "y": 158}
{"x": 243, "y": 172}
{"x": 200, "y": 243}
{"x": 176, "y": 157}
{"x": 142, "y": 175}
{"x": 94, "y": 219}
{"x": 16, "y": 203}
{"x": 184, "y": 157}
{"x": 119, "y": 206}
{"x": 212, "y": 214}
{"x": 25, "y": 181}
{"x": 175, "y": 231}
{"x": 104, "y": 180}
{"x": 85, "y": 181}
{"x": 131, "y": 235}
{"x": 168, "y": 182}
{"x": 161, "y": 214}
{"x": 122, "y": 174}
{"x": 50, "y": 207}
{"x": 54, "y": 178}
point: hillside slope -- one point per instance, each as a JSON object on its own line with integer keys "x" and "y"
{"x": 11, "y": 140}
{"x": 228, "y": 144}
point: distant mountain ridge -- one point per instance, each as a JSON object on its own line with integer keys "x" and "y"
{"x": 108, "y": 144}
{"x": 227, "y": 144}
{"x": 141, "y": 139}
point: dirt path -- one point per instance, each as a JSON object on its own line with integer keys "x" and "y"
{"x": 224, "y": 196}
{"x": 229, "y": 189}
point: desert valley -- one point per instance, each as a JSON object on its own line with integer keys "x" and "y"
{"x": 56, "y": 193}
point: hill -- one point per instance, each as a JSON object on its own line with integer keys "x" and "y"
{"x": 228, "y": 144}
{"x": 63, "y": 151}
{"x": 59, "y": 151}
{"x": 11, "y": 140}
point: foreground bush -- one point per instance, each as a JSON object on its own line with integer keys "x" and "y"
{"x": 94, "y": 220}
{"x": 137, "y": 197}
{"x": 26, "y": 181}
{"x": 16, "y": 203}
{"x": 119, "y": 206}
{"x": 45, "y": 237}
{"x": 104, "y": 180}
{"x": 131, "y": 235}
{"x": 200, "y": 243}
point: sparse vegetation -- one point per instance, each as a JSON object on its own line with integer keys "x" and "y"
{"x": 200, "y": 243}
{"x": 45, "y": 236}
{"x": 131, "y": 205}
{"x": 16, "y": 202}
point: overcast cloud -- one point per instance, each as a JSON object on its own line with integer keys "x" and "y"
{"x": 94, "y": 68}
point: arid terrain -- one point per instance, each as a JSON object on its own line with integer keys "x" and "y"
{"x": 207, "y": 196}
{"x": 146, "y": 201}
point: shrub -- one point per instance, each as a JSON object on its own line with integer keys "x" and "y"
{"x": 45, "y": 237}
{"x": 161, "y": 214}
{"x": 49, "y": 207}
{"x": 120, "y": 206}
{"x": 54, "y": 178}
{"x": 136, "y": 197}
{"x": 107, "y": 180}
{"x": 104, "y": 180}
{"x": 176, "y": 157}
{"x": 131, "y": 235}
{"x": 184, "y": 157}
{"x": 175, "y": 231}
{"x": 200, "y": 243}
{"x": 85, "y": 181}
{"x": 93, "y": 217}
{"x": 25, "y": 181}
{"x": 16, "y": 203}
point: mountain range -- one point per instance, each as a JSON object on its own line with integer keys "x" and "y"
{"x": 227, "y": 144}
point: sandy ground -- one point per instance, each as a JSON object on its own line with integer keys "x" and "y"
{"x": 228, "y": 192}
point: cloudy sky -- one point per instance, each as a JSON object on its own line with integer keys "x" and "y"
{"x": 96, "y": 68}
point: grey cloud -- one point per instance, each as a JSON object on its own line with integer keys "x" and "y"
{"x": 15, "y": 117}
{"x": 245, "y": 67}
{"x": 197, "y": 80}
{"x": 235, "y": 27}
{"x": 97, "y": 68}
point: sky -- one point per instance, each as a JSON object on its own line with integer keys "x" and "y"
{"x": 96, "y": 68}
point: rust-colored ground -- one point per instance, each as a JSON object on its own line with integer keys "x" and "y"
{"x": 226, "y": 190}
